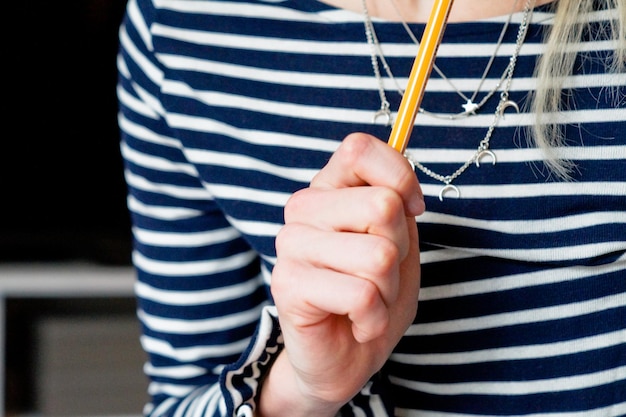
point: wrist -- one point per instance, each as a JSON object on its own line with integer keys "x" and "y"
{"x": 280, "y": 395}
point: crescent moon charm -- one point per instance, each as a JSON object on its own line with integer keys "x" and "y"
{"x": 449, "y": 187}
{"x": 482, "y": 154}
{"x": 507, "y": 104}
{"x": 382, "y": 113}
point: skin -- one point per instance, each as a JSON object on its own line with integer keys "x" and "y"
{"x": 346, "y": 281}
{"x": 418, "y": 11}
{"x": 347, "y": 278}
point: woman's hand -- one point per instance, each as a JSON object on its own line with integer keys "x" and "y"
{"x": 347, "y": 278}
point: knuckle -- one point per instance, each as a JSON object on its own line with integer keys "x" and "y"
{"x": 370, "y": 302}
{"x": 368, "y": 295}
{"x": 385, "y": 206}
{"x": 286, "y": 237}
{"x": 282, "y": 285}
{"x": 384, "y": 257}
{"x": 353, "y": 147}
{"x": 295, "y": 204}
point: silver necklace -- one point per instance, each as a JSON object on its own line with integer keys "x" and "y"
{"x": 470, "y": 106}
{"x": 504, "y": 102}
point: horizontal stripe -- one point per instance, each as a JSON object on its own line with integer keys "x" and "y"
{"x": 190, "y": 353}
{"x": 573, "y": 153}
{"x": 155, "y": 163}
{"x": 181, "y": 269}
{"x": 610, "y": 411}
{"x": 172, "y": 190}
{"x": 186, "y": 239}
{"x": 257, "y": 228}
{"x": 545, "y": 350}
{"x": 182, "y": 372}
{"x": 534, "y": 190}
{"x": 338, "y": 114}
{"x": 245, "y": 162}
{"x": 535, "y": 315}
{"x": 350, "y": 81}
{"x": 507, "y": 283}
{"x": 561, "y": 223}
{"x": 187, "y": 326}
{"x": 188, "y": 298}
{"x": 161, "y": 212}
{"x": 571, "y": 383}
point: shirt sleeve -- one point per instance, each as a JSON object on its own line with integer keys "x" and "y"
{"x": 208, "y": 327}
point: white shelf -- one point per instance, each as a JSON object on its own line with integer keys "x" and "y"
{"x": 58, "y": 280}
{"x": 65, "y": 280}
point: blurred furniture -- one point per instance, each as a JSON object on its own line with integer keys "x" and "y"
{"x": 91, "y": 354}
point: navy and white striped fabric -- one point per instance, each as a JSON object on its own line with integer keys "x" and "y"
{"x": 228, "y": 107}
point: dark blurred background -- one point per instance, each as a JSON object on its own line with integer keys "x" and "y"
{"x": 62, "y": 189}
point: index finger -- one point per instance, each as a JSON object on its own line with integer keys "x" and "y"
{"x": 362, "y": 159}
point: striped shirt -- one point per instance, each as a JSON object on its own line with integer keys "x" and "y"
{"x": 228, "y": 107}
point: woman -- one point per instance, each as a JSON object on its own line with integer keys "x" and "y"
{"x": 233, "y": 118}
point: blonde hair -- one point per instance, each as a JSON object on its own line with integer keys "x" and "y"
{"x": 557, "y": 62}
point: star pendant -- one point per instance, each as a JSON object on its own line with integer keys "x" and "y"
{"x": 470, "y": 107}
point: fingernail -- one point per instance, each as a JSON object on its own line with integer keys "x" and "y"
{"x": 416, "y": 205}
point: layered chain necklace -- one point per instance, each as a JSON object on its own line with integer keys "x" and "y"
{"x": 470, "y": 107}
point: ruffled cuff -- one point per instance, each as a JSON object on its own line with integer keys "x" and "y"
{"x": 240, "y": 381}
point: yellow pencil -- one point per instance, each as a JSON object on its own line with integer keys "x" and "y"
{"x": 422, "y": 67}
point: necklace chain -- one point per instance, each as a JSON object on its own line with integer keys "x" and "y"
{"x": 503, "y": 104}
{"x": 470, "y": 105}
